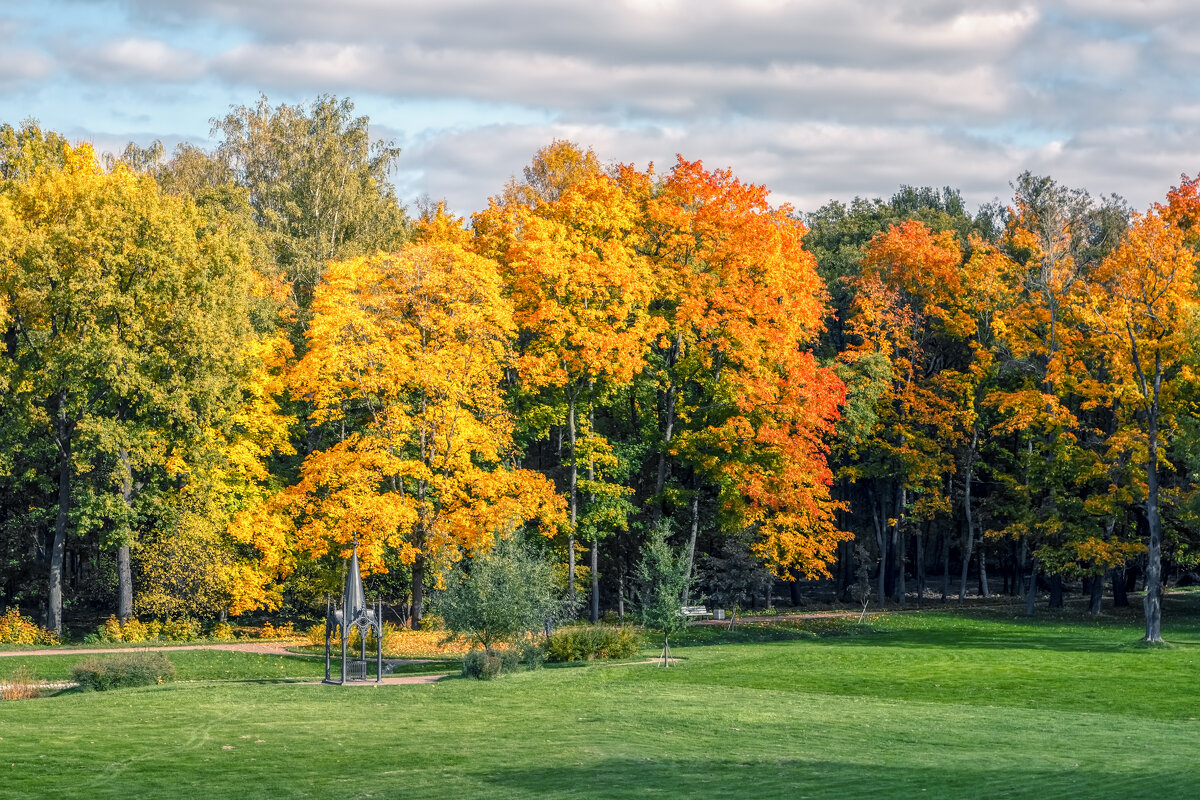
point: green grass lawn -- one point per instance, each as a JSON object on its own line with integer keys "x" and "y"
{"x": 985, "y": 704}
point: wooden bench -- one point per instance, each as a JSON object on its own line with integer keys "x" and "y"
{"x": 695, "y": 612}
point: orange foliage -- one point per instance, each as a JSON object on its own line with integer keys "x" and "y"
{"x": 741, "y": 305}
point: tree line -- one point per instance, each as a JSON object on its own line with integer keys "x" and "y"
{"x": 222, "y": 367}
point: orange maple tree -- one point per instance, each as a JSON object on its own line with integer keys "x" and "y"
{"x": 745, "y": 405}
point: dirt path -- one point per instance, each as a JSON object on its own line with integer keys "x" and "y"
{"x": 262, "y": 648}
{"x": 388, "y": 680}
{"x": 266, "y": 648}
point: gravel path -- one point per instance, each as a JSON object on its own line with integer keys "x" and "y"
{"x": 266, "y": 648}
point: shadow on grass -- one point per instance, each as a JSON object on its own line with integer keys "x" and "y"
{"x": 723, "y": 777}
{"x": 1000, "y": 628}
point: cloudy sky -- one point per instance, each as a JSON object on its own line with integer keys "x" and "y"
{"x": 816, "y": 100}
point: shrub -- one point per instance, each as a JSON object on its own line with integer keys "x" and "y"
{"x": 505, "y": 592}
{"x": 131, "y": 630}
{"x": 284, "y": 631}
{"x": 15, "y": 629}
{"x": 222, "y": 630}
{"x": 134, "y": 630}
{"x": 180, "y": 630}
{"x": 486, "y": 665}
{"x": 20, "y": 685}
{"x": 123, "y": 670}
{"x": 589, "y": 642}
{"x": 532, "y": 652}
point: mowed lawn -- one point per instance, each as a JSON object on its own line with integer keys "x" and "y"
{"x": 910, "y": 705}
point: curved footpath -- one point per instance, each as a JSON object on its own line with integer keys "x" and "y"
{"x": 278, "y": 648}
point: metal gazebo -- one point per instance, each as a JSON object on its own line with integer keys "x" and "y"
{"x": 354, "y": 613}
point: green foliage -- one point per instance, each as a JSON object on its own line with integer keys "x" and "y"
{"x": 317, "y": 183}
{"x": 502, "y": 593}
{"x": 27, "y": 149}
{"x": 486, "y": 665}
{"x": 663, "y": 575}
{"x": 591, "y": 642}
{"x": 532, "y": 652}
{"x": 123, "y": 670}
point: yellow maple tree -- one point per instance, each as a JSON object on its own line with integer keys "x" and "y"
{"x": 405, "y": 360}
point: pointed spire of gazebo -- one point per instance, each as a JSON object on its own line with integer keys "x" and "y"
{"x": 354, "y": 599}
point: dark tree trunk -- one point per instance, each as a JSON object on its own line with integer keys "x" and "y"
{"x": 1031, "y": 593}
{"x": 984, "y": 590}
{"x": 691, "y": 557}
{"x": 969, "y": 535}
{"x": 595, "y": 580}
{"x": 1056, "y": 591}
{"x": 574, "y": 497}
{"x": 879, "y": 520}
{"x": 945, "y": 566}
{"x": 921, "y": 568}
{"x": 418, "y": 591}
{"x": 595, "y": 615}
{"x": 1120, "y": 596}
{"x": 1152, "y": 605}
{"x": 63, "y": 431}
{"x": 668, "y": 433}
{"x": 124, "y": 569}
{"x": 1097, "y": 593}
{"x": 902, "y": 569}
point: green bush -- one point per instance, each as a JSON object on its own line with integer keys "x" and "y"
{"x": 486, "y": 665}
{"x": 123, "y": 670}
{"x": 532, "y": 652}
{"x": 589, "y": 642}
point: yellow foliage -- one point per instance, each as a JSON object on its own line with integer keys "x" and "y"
{"x": 15, "y": 629}
{"x": 406, "y": 357}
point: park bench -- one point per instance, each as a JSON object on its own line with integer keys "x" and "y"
{"x": 696, "y": 612}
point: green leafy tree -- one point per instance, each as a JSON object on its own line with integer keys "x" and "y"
{"x": 128, "y": 334}
{"x": 317, "y": 183}
{"x": 499, "y": 595}
{"x": 663, "y": 575}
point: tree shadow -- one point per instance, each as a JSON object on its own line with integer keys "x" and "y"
{"x": 724, "y": 777}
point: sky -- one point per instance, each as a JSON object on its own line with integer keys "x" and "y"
{"x": 815, "y": 100}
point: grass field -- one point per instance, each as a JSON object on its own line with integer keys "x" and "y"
{"x": 932, "y": 705}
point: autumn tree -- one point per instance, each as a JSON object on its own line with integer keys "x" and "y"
{"x": 1057, "y": 236}
{"x": 580, "y": 293}
{"x": 744, "y": 407}
{"x": 127, "y": 326}
{"x": 904, "y": 313}
{"x": 1143, "y": 305}
{"x": 405, "y": 359}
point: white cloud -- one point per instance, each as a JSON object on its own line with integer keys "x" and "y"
{"x": 814, "y": 99}
{"x": 135, "y": 58}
